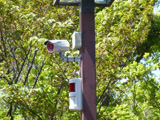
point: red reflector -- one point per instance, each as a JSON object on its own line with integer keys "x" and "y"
{"x": 72, "y": 87}
{"x": 50, "y": 46}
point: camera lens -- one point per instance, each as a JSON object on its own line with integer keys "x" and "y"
{"x": 50, "y": 47}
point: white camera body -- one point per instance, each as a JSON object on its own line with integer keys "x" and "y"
{"x": 57, "y": 45}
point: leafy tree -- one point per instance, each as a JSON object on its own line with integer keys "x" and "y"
{"x": 34, "y": 83}
{"x": 124, "y": 35}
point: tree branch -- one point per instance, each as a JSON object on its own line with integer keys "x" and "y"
{"x": 26, "y": 78}
{"x": 10, "y": 112}
{"x": 39, "y": 73}
{"x": 16, "y": 80}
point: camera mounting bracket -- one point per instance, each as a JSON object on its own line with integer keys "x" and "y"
{"x": 69, "y": 59}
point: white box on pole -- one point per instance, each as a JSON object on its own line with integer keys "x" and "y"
{"x": 75, "y": 94}
{"x": 76, "y": 40}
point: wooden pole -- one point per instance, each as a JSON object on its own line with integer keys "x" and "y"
{"x": 88, "y": 68}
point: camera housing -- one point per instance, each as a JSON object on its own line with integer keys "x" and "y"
{"x": 57, "y": 45}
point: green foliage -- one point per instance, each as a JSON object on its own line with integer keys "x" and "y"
{"x": 34, "y": 83}
{"x": 124, "y": 33}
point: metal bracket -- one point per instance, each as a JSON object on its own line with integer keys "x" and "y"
{"x": 87, "y": 6}
{"x": 69, "y": 59}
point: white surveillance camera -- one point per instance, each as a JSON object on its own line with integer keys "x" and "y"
{"x": 57, "y": 45}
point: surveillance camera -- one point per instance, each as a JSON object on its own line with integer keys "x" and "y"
{"x": 57, "y": 45}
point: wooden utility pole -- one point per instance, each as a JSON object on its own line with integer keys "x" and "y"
{"x": 88, "y": 68}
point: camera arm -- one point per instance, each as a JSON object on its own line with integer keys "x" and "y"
{"x": 69, "y": 59}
